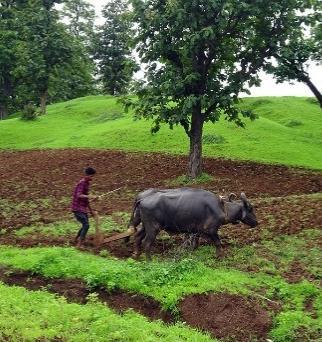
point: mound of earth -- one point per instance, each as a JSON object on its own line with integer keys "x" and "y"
{"x": 227, "y": 316}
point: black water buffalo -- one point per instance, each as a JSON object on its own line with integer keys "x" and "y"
{"x": 135, "y": 219}
{"x": 189, "y": 211}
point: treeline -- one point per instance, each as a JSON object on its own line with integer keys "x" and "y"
{"x": 50, "y": 50}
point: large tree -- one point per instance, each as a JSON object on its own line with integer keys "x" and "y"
{"x": 302, "y": 48}
{"x": 201, "y": 55}
{"x": 112, "y": 48}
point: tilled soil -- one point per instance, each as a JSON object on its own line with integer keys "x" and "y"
{"x": 36, "y": 186}
{"x": 226, "y": 315}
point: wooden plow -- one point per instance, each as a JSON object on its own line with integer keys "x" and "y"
{"x": 99, "y": 237}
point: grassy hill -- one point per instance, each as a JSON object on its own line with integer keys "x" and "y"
{"x": 288, "y": 131}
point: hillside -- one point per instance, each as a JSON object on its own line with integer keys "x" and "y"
{"x": 287, "y": 132}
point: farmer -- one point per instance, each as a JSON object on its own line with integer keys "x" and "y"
{"x": 81, "y": 206}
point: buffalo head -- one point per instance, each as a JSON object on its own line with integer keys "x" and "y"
{"x": 248, "y": 213}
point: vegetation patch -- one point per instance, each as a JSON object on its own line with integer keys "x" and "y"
{"x": 294, "y": 123}
{"x": 76, "y": 290}
{"x": 213, "y": 139}
{"x": 184, "y": 180}
{"x": 107, "y": 224}
{"x": 30, "y": 316}
{"x": 107, "y": 116}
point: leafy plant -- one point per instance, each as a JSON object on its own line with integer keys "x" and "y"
{"x": 213, "y": 139}
{"x": 29, "y": 112}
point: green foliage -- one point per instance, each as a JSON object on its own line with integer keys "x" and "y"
{"x": 213, "y": 139}
{"x": 29, "y": 112}
{"x": 35, "y": 316}
{"x": 69, "y": 228}
{"x": 302, "y": 47}
{"x": 8, "y": 59}
{"x": 80, "y": 16}
{"x": 294, "y": 123}
{"x": 185, "y": 180}
{"x": 200, "y": 57}
{"x": 40, "y": 60}
{"x": 112, "y": 50}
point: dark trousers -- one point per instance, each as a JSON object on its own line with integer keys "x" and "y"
{"x": 83, "y": 219}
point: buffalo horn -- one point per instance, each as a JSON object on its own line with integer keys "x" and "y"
{"x": 243, "y": 197}
{"x": 232, "y": 196}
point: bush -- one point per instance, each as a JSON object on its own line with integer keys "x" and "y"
{"x": 29, "y": 112}
{"x": 213, "y": 139}
{"x": 294, "y": 123}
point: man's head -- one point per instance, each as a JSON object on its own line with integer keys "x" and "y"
{"x": 89, "y": 173}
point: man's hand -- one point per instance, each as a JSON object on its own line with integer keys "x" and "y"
{"x": 94, "y": 213}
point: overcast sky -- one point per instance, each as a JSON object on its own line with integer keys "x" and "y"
{"x": 268, "y": 87}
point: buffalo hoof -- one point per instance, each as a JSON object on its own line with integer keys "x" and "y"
{"x": 219, "y": 255}
{"x": 135, "y": 256}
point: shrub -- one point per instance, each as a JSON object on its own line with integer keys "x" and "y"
{"x": 213, "y": 139}
{"x": 294, "y": 123}
{"x": 29, "y": 112}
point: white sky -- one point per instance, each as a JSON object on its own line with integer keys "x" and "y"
{"x": 268, "y": 87}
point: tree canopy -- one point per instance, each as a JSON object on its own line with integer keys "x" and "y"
{"x": 112, "y": 50}
{"x": 303, "y": 47}
{"x": 201, "y": 55}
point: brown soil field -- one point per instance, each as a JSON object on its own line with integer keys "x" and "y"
{"x": 36, "y": 186}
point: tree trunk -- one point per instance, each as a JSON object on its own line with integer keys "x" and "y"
{"x": 313, "y": 88}
{"x": 195, "y": 155}
{"x": 3, "y": 112}
{"x": 43, "y": 102}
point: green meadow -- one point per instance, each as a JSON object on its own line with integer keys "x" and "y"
{"x": 288, "y": 131}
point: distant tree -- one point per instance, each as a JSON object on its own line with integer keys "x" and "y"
{"x": 112, "y": 50}
{"x": 208, "y": 52}
{"x": 40, "y": 60}
{"x": 75, "y": 78}
{"x": 80, "y": 15}
{"x": 45, "y": 46}
{"x": 303, "y": 46}
{"x": 9, "y": 38}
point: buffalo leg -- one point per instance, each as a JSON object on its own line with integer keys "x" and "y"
{"x": 149, "y": 240}
{"x": 215, "y": 238}
{"x": 194, "y": 241}
{"x": 139, "y": 236}
{"x": 132, "y": 226}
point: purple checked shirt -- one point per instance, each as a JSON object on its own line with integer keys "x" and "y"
{"x": 81, "y": 204}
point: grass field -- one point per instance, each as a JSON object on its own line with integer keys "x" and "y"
{"x": 287, "y": 132}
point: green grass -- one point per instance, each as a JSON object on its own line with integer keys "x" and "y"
{"x": 40, "y": 316}
{"x": 107, "y": 224}
{"x": 288, "y": 131}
